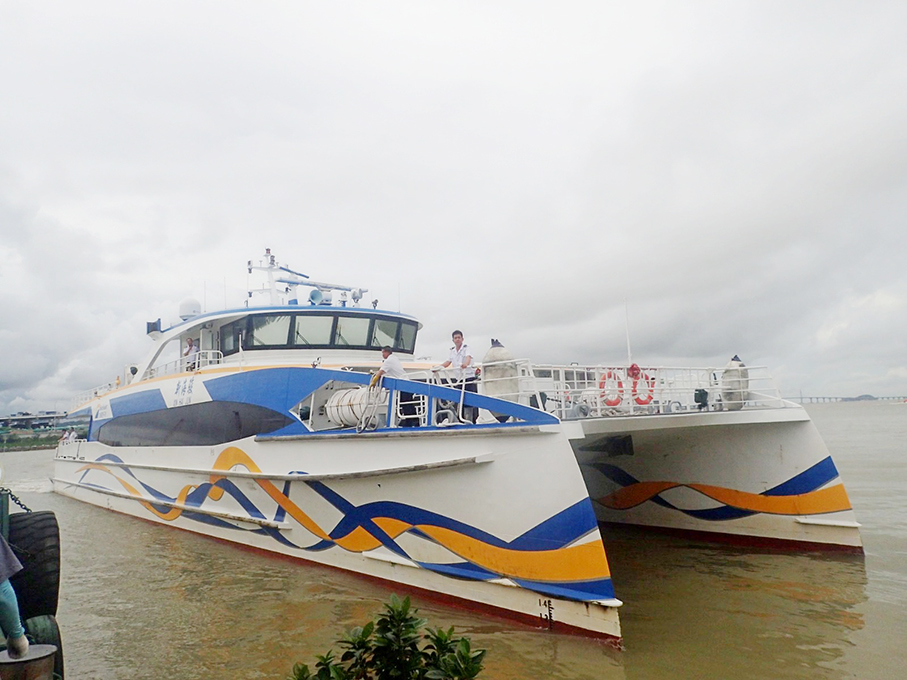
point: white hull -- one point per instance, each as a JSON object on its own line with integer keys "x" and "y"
{"x": 403, "y": 507}
{"x": 486, "y": 491}
{"x": 760, "y": 474}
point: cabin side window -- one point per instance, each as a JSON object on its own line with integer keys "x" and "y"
{"x": 230, "y": 336}
{"x": 407, "y": 337}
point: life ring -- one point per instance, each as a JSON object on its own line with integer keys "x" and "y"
{"x": 603, "y": 386}
{"x": 649, "y": 383}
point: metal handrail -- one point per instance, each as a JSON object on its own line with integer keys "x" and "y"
{"x": 206, "y": 357}
{"x": 573, "y": 391}
{"x": 202, "y": 358}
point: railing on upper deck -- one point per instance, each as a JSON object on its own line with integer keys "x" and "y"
{"x": 182, "y": 365}
{"x": 573, "y": 392}
{"x": 86, "y": 396}
{"x": 205, "y": 357}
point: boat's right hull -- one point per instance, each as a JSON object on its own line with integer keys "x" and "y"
{"x": 762, "y": 476}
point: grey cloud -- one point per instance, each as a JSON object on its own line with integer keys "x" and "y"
{"x": 736, "y": 173}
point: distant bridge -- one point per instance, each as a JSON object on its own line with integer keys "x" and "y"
{"x": 820, "y": 400}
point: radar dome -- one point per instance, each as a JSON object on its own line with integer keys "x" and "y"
{"x": 190, "y": 308}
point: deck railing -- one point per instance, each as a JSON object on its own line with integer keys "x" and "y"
{"x": 205, "y": 357}
{"x": 182, "y": 365}
{"x": 573, "y": 391}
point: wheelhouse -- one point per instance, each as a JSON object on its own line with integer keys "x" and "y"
{"x": 321, "y": 329}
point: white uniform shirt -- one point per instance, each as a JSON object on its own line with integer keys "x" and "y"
{"x": 457, "y": 358}
{"x": 392, "y": 367}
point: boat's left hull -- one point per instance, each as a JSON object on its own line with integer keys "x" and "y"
{"x": 499, "y": 519}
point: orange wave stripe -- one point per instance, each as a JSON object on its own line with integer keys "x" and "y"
{"x": 586, "y": 562}
{"x": 233, "y": 456}
{"x": 392, "y": 527}
{"x": 830, "y": 499}
{"x": 170, "y": 515}
{"x": 228, "y": 458}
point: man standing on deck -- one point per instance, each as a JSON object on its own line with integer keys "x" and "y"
{"x": 191, "y": 355}
{"x": 392, "y": 368}
{"x": 464, "y": 368}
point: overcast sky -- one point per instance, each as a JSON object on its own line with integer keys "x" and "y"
{"x": 734, "y": 173}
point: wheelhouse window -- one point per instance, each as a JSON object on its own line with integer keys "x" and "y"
{"x": 407, "y": 338}
{"x": 317, "y": 330}
{"x": 269, "y": 330}
{"x": 352, "y": 331}
{"x": 313, "y": 330}
{"x": 384, "y": 333}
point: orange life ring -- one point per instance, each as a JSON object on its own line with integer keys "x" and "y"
{"x": 648, "y": 382}
{"x": 603, "y": 386}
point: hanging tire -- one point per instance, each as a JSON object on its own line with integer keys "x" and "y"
{"x": 43, "y": 630}
{"x": 35, "y": 539}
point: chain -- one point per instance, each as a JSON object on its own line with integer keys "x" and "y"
{"x": 15, "y": 499}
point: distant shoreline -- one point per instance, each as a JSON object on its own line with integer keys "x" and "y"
{"x": 12, "y": 449}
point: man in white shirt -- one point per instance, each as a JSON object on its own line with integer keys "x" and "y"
{"x": 464, "y": 369}
{"x": 461, "y": 359}
{"x": 392, "y": 368}
{"x": 191, "y": 355}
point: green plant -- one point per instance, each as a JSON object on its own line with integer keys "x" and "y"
{"x": 394, "y": 647}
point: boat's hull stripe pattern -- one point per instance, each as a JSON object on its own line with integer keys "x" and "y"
{"x": 557, "y": 557}
{"x": 803, "y": 494}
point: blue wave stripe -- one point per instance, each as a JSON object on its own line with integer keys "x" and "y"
{"x": 462, "y": 570}
{"x": 584, "y": 591}
{"x": 809, "y": 480}
{"x": 556, "y": 532}
{"x": 561, "y": 530}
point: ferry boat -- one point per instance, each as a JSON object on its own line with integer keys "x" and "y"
{"x": 273, "y": 433}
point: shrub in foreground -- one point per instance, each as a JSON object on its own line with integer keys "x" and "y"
{"x": 395, "y": 647}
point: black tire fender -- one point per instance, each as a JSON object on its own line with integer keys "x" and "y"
{"x": 35, "y": 539}
{"x": 43, "y": 630}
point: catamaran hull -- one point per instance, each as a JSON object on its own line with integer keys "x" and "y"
{"x": 422, "y": 509}
{"x": 759, "y": 475}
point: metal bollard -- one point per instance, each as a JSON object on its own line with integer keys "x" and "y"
{"x": 38, "y": 664}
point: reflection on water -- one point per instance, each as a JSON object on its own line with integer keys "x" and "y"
{"x": 144, "y": 601}
{"x": 705, "y": 611}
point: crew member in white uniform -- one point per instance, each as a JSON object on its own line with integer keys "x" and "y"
{"x": 191, "y": 355}
{"x": 392, "y": 368}
{"x": 464, "y": 369}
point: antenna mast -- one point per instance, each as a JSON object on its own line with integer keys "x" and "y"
{"x": 627, "y": 327}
